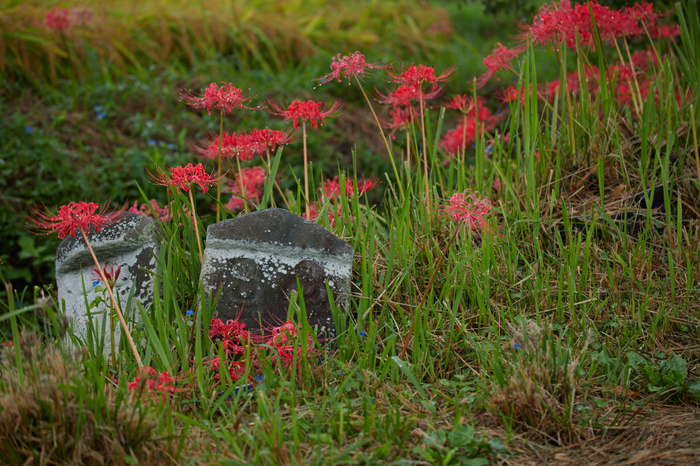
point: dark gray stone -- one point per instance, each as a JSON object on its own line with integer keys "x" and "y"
{"x": 255, "y": 260}
{"x": 131, "y": 243}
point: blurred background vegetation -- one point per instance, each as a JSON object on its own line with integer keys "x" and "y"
{"x": 85, "y": 109}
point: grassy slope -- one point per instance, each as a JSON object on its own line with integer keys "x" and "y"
{"x": 575, "y": 299}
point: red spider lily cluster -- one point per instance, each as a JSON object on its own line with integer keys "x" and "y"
{"x": 224, "y": 98}
{"x": 401, "y": 118}
{"x": 332, "y": 190}
{"x": 184, "y": 177}
{"x": 73, "y": 216}
{"x": 415, "y": 76}
{"x": 162, "y": 214}
{"x": 468, "y": 209}
{"x": 476, "y": 118}
{"x": 245, "y": 145}
{"x": 61, "y": 19}
{"x": 313, "y": 112}
{"x": 252, "y": 180}
{"x": 499, "y": 59}
{"x": 149, "y": 384}
{"x": 564, "y": 22}
{"x": 243, "y": 351}
{"x": 350, "y": 66}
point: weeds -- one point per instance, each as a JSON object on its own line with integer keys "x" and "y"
{"x": 562, "y": 316}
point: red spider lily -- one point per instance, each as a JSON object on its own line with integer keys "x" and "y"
{"x": 510, "y": 94}
{"x": 457, "y": 139}
{"x": 498, "y": 60}
{"x": 404, "y": 94}
{"x": 80, "y": 15}
{"x": 232, "y": 145}
{"x": 623, "y": 73}
{"x": 642, "y": 59}
{"x": 563, "y": 22}
{"x": 415, "y": 76}
{"x": 75, "y": 215}
{"x": 236, "y": 369}
{"x": 149, "y": 383}
{"x": 270, "y": 138}
{"x": 468, "y": 209}
{"x": 252, "y": 179}
{"x": 110, "y": 274}
{"x": 313, "y": 112}
{"x": 470, "y": 107}
{"x": 283, "y": 334}
{"x": 331, "y": 188}
{"x": 463, "y": 103}
{"x": 400, "y": 119}
{"x": 665, "y": 31}
{"x": 232, "y": 330}
{"x": 335, "y": 212}
{"x": 162, "y": 214}
{"x": 350, "y": 66}
{"x": 283, "y": 340}
{"x": 185, "y": 177}
{"x": 57, "y": 19}
{"x": 225, "y": 98}
{"x": 360, "y": 186}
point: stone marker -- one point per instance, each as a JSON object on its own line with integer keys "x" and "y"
{"x": 255, "y": 260}
{"x": 131, "y": 243}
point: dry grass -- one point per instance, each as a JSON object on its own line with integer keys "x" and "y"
{"x": 50, "y": 413}
{"x": 266, "y": 34}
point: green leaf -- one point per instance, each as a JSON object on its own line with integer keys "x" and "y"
{"x": 694, "y": 390}
{"x": 461, "y": 436}
{"x": 674, "y": 370}
{"x": 477, "y": 462}
{"x": 403, "y": 365}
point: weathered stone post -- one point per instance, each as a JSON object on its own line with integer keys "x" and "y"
{"x": 255, "y": 259}
{"x": 130, "y": 243}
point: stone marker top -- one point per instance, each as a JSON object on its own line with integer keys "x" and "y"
{"x": 269, "y": 229}
{"x": 130, "y": 232}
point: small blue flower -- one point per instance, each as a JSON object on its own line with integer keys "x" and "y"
{"x": 100, "y": 116}
{"x": 95, "y": 283}
{"x": 151, "y": 142}
{"x": 245, "y": 389}
{"x": 343, "y": 373}
{"x": 363, "y": 334}
{"x": 260, "y": 378}
{"x": 489, "y": 150}
{"x": 189, "y": 312}
{"x": 28, "y": 129}
{"x": 517, "y": 346}
{"x": 172, "y": 146}
{"x": 98, "y": 108}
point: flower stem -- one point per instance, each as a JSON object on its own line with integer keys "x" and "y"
{"x": 220, "y": 157}
{"x": 111, "y": 329}
{"x": 112, "y": 298}
{"x": 306, "y": 173}
{"x": 427, "y": 291}
{"x": 425, "y": 154}
{"x": 386, "y": 142}
{"x": 240, "y": 184}
{"x": 194, "y": 221}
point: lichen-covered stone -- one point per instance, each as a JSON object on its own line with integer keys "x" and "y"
{"x": 254, "y": 261}
{"x": 131, "y": 243}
